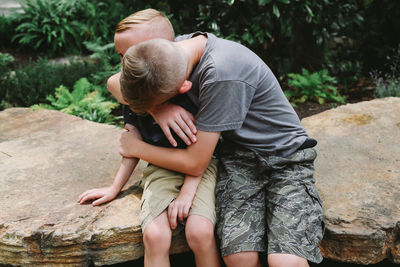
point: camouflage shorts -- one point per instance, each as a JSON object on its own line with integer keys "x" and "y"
{"x": 269, "y": 204}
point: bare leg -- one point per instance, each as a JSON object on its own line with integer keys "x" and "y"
{"x": 281, "y": 260}
{"x": 200, "y": 237}
{"x": 157, "y": 241}
{"x": 248, "y": 259}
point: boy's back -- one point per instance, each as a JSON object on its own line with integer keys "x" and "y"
{"x": 240, "y": 96}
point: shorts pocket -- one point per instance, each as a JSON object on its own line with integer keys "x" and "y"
{"x": 316, "y": 225}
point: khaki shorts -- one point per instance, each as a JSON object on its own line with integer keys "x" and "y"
{"x": 162, "y": 186}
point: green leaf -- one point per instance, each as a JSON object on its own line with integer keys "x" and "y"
{"x": 309, "y": 11}
{"x": 275, "y": 10}
{"x": 264, "y": 2}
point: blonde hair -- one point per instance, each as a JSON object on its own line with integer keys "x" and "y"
{"x": 162, "y": 26}
{"x": 152, "y": 70}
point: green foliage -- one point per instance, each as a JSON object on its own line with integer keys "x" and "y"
{"x": 84, "y": 101}
{"x": 7, "y": 25}
{"x": 287, "y": 34}
{"x": 293, "y": 34}
{"x": 31, "y": 84}
{"x": 5, "y": 60}
{"x": 109, "y": 60}
{"x": 388, "y": 84}
{"x": 317, "y": 86}
{"x": 62, "y": 26}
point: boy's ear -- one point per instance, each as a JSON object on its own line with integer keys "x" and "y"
{"x": 186, "y": 86}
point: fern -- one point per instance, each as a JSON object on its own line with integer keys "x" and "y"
{"x": 317, "y": 86}
{"x": 84, "y": 101}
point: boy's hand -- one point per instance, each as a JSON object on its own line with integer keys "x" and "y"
{"x": 127, "y": 141}
{"x": 102, "y": 195}
{"x": 181, "y": 121}
{"x": 179, "y": 209}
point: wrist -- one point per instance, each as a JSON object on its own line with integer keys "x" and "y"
{"x": 187, "y": 194}
{"x": 115, "y": 189}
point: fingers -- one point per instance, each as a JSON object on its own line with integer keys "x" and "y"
{"x": 91, "y": 196}
{"x": 168, "y": 134}
{"x": 84, "y": 194}
{"x": 101, "y": 201}
{"x": 180, "y": 214}
{"x": 189, "y": 120}
{"x": 172, "y": 213}
{"x": 187, "y": 131}
{"x": 177, "y": 129}
{"x": 186, "y": 211}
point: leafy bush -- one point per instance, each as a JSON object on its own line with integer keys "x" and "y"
{"x": 84, "y": 101}
{"x": 109, "y": 60}
{"x": 31, "y": 84}
{"x": 5, "y": 60}
{"x": 317, "y": 86}
{"x": 389, "y": 84}
{"x": 7, "y": 25}
{"x": 62, "y": 26}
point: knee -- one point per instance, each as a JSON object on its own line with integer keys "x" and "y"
{"x": 278, "y": 260}
{"x": 157, "y": 238}
{"x": 199, "y": 234}
{"x": 249, "y": 258}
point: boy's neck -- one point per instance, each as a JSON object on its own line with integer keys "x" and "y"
{"x": 194, "y": 49}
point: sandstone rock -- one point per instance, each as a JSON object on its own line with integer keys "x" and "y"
{"x": 47, "y": 159}
{"x": 358, "y": 176}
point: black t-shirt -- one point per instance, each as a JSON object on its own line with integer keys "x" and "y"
{"x": 149, "y": 129}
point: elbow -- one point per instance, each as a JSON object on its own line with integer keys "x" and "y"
{"x": 111, "y": 82}
{"x": 196, "y": 168}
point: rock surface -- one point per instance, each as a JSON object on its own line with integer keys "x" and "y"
{"x": 47, "y": 159}
{"x": 358, "y": 176}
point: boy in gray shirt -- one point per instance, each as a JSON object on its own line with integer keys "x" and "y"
{"x": 266, "y": 195}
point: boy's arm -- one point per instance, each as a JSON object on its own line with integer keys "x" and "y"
{"x": 179, "y": 208}
{"x": 178, "y": 119}
{"x": 106, "y": 194}
{"x": 167, "y": 116}
{"x": 191, "y": 161}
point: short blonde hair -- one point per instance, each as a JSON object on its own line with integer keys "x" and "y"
{"x": 162, "y": 25}
{"x": 151, "y": 70}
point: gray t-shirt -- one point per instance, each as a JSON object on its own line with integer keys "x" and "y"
{"x": 239, "y": 96}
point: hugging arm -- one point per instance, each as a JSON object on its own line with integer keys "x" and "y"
{"x": 191, "y": 161}
{"x": 168, "y": 116}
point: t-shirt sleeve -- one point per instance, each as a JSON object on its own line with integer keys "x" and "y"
{"x": 223, "y": 105}
{"x": 129, "y": 116}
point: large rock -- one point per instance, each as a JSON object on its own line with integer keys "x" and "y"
{"x": 358, "y": 176}
{"x": 47, "y": 159}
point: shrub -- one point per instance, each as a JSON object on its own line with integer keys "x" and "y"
{"x": 60, "y": 27}
{"x": 7, "y": 26}
{"x": 5, "y": 60}
{"x": 317, "y": 86}
{"x": 31, "y": 84}
{"x": 84, "y": 101}
{"x": 388, "y": 84}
